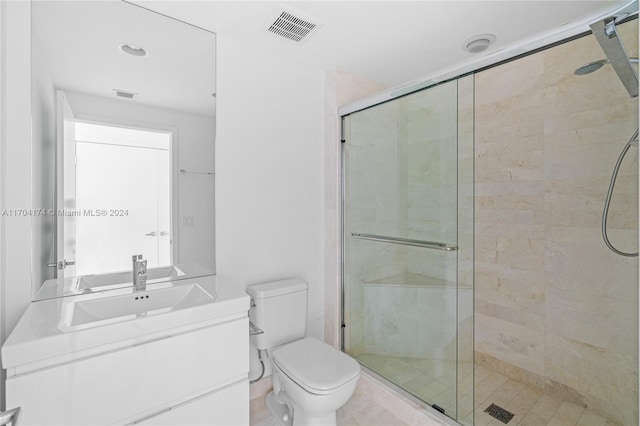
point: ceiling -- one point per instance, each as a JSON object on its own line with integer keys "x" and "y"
{"x": 390, "y": 42}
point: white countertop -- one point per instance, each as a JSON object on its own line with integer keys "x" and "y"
{"x": 40, "y": 337}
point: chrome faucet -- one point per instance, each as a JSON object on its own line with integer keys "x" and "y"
{"x": 139, "y": 273}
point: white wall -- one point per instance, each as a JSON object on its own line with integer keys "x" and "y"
{"x": 15, "y": 164}
{"x": 269, "y": 169}
{"x": 269, "y": 164}
{"x": 196, "y": 136}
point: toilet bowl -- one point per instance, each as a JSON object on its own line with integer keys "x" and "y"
{"x": 311, "y": 380}
{"x": 316, "y": 380}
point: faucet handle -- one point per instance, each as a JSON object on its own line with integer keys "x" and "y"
{"x": 136, "y": 257}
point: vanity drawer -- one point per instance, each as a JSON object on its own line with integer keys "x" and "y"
{"x": 225, "y": 407}
{"x": 117, "y": 387}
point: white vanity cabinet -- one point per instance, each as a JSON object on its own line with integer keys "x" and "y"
{"x": 216, "y": 408}
{"x": 199, "y": 374}
{"x": 194, "y": 372}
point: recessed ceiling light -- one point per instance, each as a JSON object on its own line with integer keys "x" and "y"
{"x": 478, "y": 43}
{"x": 133, "y": 50}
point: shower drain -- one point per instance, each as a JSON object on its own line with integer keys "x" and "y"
{"x": 499, "y": 413}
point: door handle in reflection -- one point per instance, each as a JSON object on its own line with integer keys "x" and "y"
{"x": 151, "y": 234}
{"x": 62, "y": 264}
{"x": 162, "y": 233}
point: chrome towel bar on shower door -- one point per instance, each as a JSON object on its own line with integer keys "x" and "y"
{"x": 407, "y": 242}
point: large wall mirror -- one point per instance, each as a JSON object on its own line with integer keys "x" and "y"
{"x": 123, "y": 115}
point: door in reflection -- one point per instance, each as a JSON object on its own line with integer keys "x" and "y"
{"x": 123, "y": 197}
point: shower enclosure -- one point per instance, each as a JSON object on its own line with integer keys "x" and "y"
{"x": 408, "y": 227}
{"x": 490, "y": 237}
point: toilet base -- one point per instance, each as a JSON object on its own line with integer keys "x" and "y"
{"x": 283, "y": 412}
{"x": 279, "y": 409}
{"x": 304, "y": 419}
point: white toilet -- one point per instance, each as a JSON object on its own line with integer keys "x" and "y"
{"x": 311, "y": 379}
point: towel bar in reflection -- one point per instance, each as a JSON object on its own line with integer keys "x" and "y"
{"x": 195, "y": 172}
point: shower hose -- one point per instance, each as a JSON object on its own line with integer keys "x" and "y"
{"x": 607, "y": 202}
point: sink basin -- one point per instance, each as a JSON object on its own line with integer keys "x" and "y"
{"x": 107, "y": 309}
{"x": 118, "y": 278}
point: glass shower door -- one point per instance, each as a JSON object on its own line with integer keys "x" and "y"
{"x": 408, "y": 170}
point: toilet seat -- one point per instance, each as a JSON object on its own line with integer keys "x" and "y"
{"x": 315, "y": 366}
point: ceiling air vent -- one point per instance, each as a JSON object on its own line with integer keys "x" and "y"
{"x": 292, "y": 25}
{"x": 124, "y": 94}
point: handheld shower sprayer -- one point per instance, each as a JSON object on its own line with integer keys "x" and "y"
{"x": 605, "y": 213}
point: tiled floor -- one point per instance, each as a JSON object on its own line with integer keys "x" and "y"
{"x": 530, "y": 406}
{"x": 359, "y": 411}
{"x": 434, "y": 381}
{"x": 430, "y": 380}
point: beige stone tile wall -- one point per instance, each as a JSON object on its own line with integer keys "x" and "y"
{"x": 552, "y": 302}
{"x": 431, "y": 179}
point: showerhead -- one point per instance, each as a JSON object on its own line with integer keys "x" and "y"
{"x": 596, "y": 65}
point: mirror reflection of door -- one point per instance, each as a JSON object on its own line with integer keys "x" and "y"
{"x": 66, "y": 187}
{"x": 80, "y": 48}
{"x": 123, "y": 197}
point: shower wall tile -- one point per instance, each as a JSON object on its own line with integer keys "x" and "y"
{"x": 518, "y": 345}
{"x": 413, "y": 321}
{"x": 523, "y": 291}
{"x": 553, "y": 305}
{"x": 390, "y": 315}
{"x": 374, "y": 135}
{"x": 515, "y": 78}
{"x": 431, "y": 175}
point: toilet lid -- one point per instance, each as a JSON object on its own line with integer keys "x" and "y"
{"x": 316, "y": 366}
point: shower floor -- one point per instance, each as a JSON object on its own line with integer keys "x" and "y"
{"x": 430, "y": 380}
{"x": 530, "y": 406}
{"x": 434, "y": 381}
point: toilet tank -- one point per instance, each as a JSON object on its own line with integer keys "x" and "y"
{"x": 279, "y": 308}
